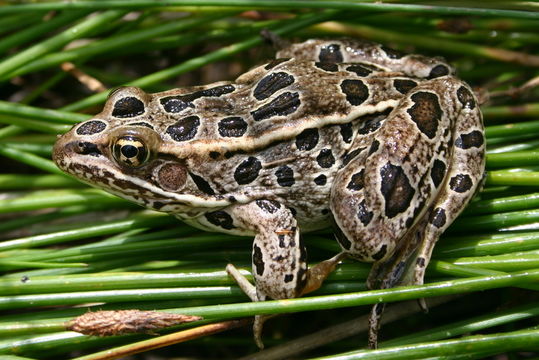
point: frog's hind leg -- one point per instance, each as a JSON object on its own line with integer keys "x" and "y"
{"x": 422, "y": 167}
{"x": 464, "y": 177}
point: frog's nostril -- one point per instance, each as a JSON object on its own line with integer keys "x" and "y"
{"x": 86, "y": 148}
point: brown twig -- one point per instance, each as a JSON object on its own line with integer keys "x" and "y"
{"x": 90, "y": 82}
{"x": 518, "y": 91}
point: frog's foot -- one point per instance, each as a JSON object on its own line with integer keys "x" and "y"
{"x": 318, "y": 273}
{"x": 244, "y": 284}
{"x": 374, "y": 324}
{"x": 392, "y": 272}
{"x": 250, "y": 290}
{"x": 258, "y": 326}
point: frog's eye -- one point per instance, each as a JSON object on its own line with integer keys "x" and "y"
{"x": 130, "y": 151}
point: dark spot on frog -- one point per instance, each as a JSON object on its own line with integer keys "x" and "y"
{"x": 171, "y": 176}
{"x": 379, "y": 308}
{"x": 351, "y": 155}
{"x": 157, "y": 205}
{"x": 307, "y": 139}
{"x": 356, "y": 182}
{"x": 274, "y": 63}
{"x": 437, "y": 217}
{"x": 175, "y": 104}
{"x": 293, "y": 211}
{"x": 285, "y": 176}
{"x": 359, "y": 70}
{"x": 465, "y": 97}
{"x": 437, "y": 172}
{"x": 86, "y": 148}
{"x": 270, "y": 84}
{"x": 392, "y": 53}
{"x": 91, "y": 127}
{"x": 346, "y": 132}
{"x": 355, "y": 90}
{"x": 330, "y": 54}
{"x": 381, "y": 253}
{"x": 327, "y": 66}
{"x": 269, "y": 206}
{"x": 398, "y": 272}
{"x": 320, "y": 180}
{"x": 420, "y": 262}
{"x": 233, "y": 126}
{"x": 325, "y": 158}
{"x": 258, "y": 262}
{"x": 184, "y": 129}
{"x": 426, "y": 112}
{"x": 437, "y": 71}
{"x": 247, "y": 171}
{"x": 288, "y": 278}
{"x": 341, "y": 238}
{"x": 374, "y": 147}
{"x": 461, "y": 183}
{"x": 284, "y": 104}
{"x": 215, "y": 91}
{"x": 363, "y": 214}
{"x": 281, "y": 238}
{"x": 396, "y": 189}
{"x": 127, "y": 107}
{"x": 372, "y": 122}
{"x": 404, "y": 85}
{"x": 472, "y": 139}
{"x": 214, "y": 155}
{"x": 220, "y": 218}
{"x": 232, "y": 199}
{"x": 202, "y": 184}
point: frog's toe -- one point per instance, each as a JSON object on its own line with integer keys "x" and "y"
{"x": 258, "y": 325}
{"x": 423, "y": 305}
{"x": 374, "y": 324}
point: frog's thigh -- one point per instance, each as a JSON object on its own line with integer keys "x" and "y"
{"x": 463, "y": 179}
{"x": 279, "y": 259}
{"x": 364, "y": 228}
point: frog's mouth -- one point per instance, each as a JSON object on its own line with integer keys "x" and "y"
{"x": 91, "y": 163}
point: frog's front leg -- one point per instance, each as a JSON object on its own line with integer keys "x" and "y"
{"x": 279, "y": 259}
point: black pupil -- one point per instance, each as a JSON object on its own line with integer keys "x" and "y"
{"x": 129, "y": 151}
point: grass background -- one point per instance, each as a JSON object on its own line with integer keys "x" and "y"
{"x": 67, "y": 248}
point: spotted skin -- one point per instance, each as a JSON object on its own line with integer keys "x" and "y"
{"x": 387, "y": 148}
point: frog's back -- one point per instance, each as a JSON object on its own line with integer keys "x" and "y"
{"x": 273, "y": 102}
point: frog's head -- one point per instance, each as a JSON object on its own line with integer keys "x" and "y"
{"x": 123, "y": 151}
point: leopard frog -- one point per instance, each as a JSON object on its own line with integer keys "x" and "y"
{"x": 386, "y": 148}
